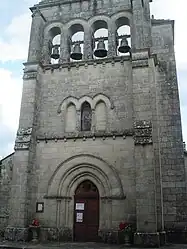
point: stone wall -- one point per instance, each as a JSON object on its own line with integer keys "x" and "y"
{"x": 169, "y": 151}
{"x": 137, "y": 160}
{"x": 107, "y": 81}
{"x": 185, "y": 160}
{"x": 6, "y": 166}
{"x": 103, "y": 161}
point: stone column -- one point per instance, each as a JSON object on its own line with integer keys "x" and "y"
{"x": 22, "y": 204}
{"x": 65, "y": 47}
{"x": 93, "y": 126}
{"x": 141, "y": 28}
{"x": 36, "y": 37}
{"x": 88, "y": 43}
{"x": 46, "y": 51}
{"x": 112, "y": 46}
{"x": 143, "y": 152}
{"x": 78, "y": 120}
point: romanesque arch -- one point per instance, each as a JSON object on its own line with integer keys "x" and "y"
{"x": 72, "y": 171}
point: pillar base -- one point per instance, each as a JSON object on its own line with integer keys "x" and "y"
{"x": 177, "y": 237}
{"x": 147, "y": 239}
{"x": 64, "y": 234}
{"x": 35, "y": 233}
{"x": 16, "y": 234}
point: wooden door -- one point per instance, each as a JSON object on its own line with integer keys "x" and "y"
{"x": 86, "y": 212}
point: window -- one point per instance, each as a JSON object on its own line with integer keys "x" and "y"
{"x": 86, "y": 117}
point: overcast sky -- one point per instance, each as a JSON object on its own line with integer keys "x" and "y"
{"x": 15, "y": 27}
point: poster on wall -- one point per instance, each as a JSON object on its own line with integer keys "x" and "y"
{"x": 39, "y": 207}
{"x": 79, "y": 206}
{"x": 79, "y": 217}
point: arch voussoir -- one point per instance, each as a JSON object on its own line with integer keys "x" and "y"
{"x": 78, "y": 168}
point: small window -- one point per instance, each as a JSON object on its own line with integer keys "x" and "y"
{"x": 86, "y": 117}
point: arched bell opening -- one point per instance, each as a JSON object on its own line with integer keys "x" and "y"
{"x": 100, "y": 39}
{"x": 76, "y": 48}
{"x": 54, "y": 44}
{"x": 86, "y": 212}
{"x": 123, "y": 33}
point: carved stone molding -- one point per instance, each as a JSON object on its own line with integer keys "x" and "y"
{"x": 140, "y": 55}
{"x": 30, "y": 75}
{"x": 143, "y": 132}
{"x": 86, "y": 63}
{"x": 89, "y": 134}
{"x": 140, "y": 63}
{"x": 23, "y": 138}
{"x": 140, "y": 58}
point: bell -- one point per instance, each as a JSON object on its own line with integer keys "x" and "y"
{"x": 55, "y": 53}
{"x": 124, "y": 47}
{"x": 76, "y": 54}
{"x": 101, "y": 50}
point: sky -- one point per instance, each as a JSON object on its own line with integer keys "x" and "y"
{"x": 15, "y": 21}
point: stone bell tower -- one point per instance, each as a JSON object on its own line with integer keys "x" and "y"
{"x": 99, "y": 139}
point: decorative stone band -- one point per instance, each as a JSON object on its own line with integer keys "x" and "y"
{"x": 140, "y": 63}
{"x": 70, "y": 198}
{"x": 30, "y": 75}
{"x": 140, "y": 58}
{"x": 23, "y": 138}
{"x": 86, "y": 63}
{"x": 143, "y": 132}
{"x": 141, "y": 54}
{"x": 84, "y": 135}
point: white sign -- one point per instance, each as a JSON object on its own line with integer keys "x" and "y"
{"x": 40, "y": 207}
{"x": 79, "y": 206}
{"x": 79, "y": 217}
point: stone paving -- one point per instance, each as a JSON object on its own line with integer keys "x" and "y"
{"x": 89, "y": 245}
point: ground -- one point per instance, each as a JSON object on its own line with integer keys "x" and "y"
{"x": 89, "y": 245}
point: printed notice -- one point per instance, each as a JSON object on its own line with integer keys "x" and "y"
{"x": 40, "y": 207}
{"x": 79, "y": 206}
{"x": 79, "y": 217}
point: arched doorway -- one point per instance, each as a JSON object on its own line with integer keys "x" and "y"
{"x": 86, "y": 212}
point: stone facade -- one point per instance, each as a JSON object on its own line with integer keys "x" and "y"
{"x": 185, "y": 156}
{"x": 133, "y": 151}
{"x": 6, "y": 167}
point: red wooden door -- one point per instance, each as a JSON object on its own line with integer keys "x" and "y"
{"x": 86, "y": 212}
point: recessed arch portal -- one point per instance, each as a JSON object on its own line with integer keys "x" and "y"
{"x": 68, "y": 174}
{"x": 75, "y": 170}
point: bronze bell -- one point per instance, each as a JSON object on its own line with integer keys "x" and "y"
{"x": 101, "y": 50}
{"x": 55, "y": 52}
{"x": 76, "y": 54}
{"x": 124, "y": 47}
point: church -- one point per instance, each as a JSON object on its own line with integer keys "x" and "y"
{"x": 99, "y": 139}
